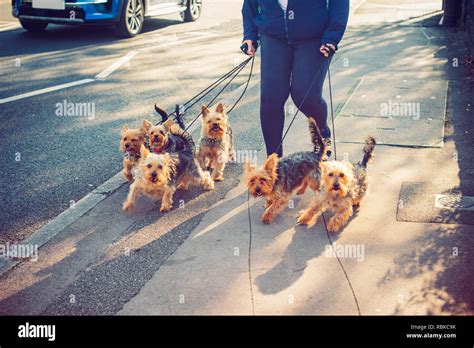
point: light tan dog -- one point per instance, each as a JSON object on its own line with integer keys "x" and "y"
{"x": 216, "y": 146}
{"x": 160, "y": 175}
{"x": 345, "y": 185}
{"x": 130, "y": 142}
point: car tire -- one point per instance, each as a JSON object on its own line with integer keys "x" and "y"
{"x": 131, "y": 19}
{"x": 33, "y": 26}
{"x": 193, "y": 11}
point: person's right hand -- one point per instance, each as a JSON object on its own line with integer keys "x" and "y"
{"x": 251, "y": 49}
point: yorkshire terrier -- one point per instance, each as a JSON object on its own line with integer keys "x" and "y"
{"x": 130, "y": 142}
{"x": 161, "y": 174}
{"x": 164, "y": 137}
{"x": 345, "y": 185}
{"x": 277, "y": 178}
{"x": 216, "y": 146}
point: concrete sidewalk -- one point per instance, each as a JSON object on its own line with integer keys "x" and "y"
{"x": 230, "y": 265}
{"x": 410, "y": 257}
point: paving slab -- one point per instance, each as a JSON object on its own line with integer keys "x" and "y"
{"x": 394, "y": 131}
{"x": 398, "y": 98}
{"x": 428, "y": 202}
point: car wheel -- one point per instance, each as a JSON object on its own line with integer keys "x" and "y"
{"x": 34, "y": 27}
{"x": 131, "y": 20}
{"x": 193, "y": 11}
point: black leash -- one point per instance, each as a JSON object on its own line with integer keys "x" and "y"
{"x": 180, "y": 110}
{"x": 335, "y": 157}
{"x": 223, "y": 88}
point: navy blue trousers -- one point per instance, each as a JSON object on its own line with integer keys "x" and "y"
{"x": 290, "y": 69}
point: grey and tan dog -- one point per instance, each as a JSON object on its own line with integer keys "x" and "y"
{"x": 216, "y": 146}
{"x": 161, "y": 174}
{"x": 345, "y": 185}
{"x": 277, "y": 179}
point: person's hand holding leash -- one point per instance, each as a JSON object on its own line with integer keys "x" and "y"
{"x": 327, "y": 50}
{"x": 251, "y": 49}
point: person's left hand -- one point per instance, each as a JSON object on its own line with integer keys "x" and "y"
{"x": 326, "y": 51}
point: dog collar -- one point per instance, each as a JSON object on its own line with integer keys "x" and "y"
{"x": 128, "y": 155}
{"x": 160, "y": 150}
{"x": 212, "y": 141}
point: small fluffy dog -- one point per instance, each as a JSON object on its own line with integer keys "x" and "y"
{"x": 162, "y": 174}
{"x": 216, "y": 146}
{"x": 130, "y": 142}
{"x": 345, "y": 185}
{"x": 277, "y": 178}
{"x": 163, "y": 137}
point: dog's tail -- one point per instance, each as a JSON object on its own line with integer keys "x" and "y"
{"x": 316, "y": 138}
{"x": 164, "y": 116}
{"x": 368, "y": 151}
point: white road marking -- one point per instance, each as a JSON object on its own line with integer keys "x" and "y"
{"x": 12, "y": 26}
{"x": 109, "y": 70}
{"x": 105, "y": 73}
{"x": 46, "y": 90}
{"x": 202, "y": 33}
{"x": 173, "y": 43}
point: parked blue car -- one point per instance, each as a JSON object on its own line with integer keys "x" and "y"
{"x": 126, "y": 15}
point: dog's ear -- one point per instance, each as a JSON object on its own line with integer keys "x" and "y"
{"x": 144, "y": 151}
{"x": 271, "y": 163}
{"x": 205, "y": 110}
{"x": 146, "y": 125}
{"x": 220, "y": 108}
{"x": 125, "y": 128}
{"x": 248, "y": 167}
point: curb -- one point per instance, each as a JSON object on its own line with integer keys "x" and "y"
{"x": 67, "y": 217}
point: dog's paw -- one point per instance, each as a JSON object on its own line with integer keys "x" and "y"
{"x": 217, "y": 177}
{"x": 127, "y": 206}
{"x": 333, "y": 225}
{"x": 128, "y": 176}
{"x": 165, "y": 209}
{"x": 208, "y": 185}
{"x": 267, "y": 218}
{"x": 308, "y": 220}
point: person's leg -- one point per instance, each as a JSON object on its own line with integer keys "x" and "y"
{"x": 307, "y": 62}
{"x": 276, "y": 62}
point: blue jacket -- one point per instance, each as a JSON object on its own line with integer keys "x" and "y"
{"x": 303, "y": 20}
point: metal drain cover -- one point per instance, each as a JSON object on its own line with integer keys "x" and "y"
{"x": 454, "y": 201}
{"x": 428, "y": 202}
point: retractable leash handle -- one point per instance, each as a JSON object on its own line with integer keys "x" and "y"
{"x": 330, "y": 50}
{"x": 244, "y": 47}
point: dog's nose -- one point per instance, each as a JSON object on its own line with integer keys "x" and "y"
{"x": 336, "y": 186}
{"x": 127, "y": 146}
{"x": 257, "y": 189}
{"x": 153, "y": 175}
{"x": 156, "y": 138}
{"x": 216, "y": 124}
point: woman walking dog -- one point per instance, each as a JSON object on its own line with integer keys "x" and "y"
{"x": 296, "y": 38}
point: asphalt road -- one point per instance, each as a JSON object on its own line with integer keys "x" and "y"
{"x": 50, "y": 161}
